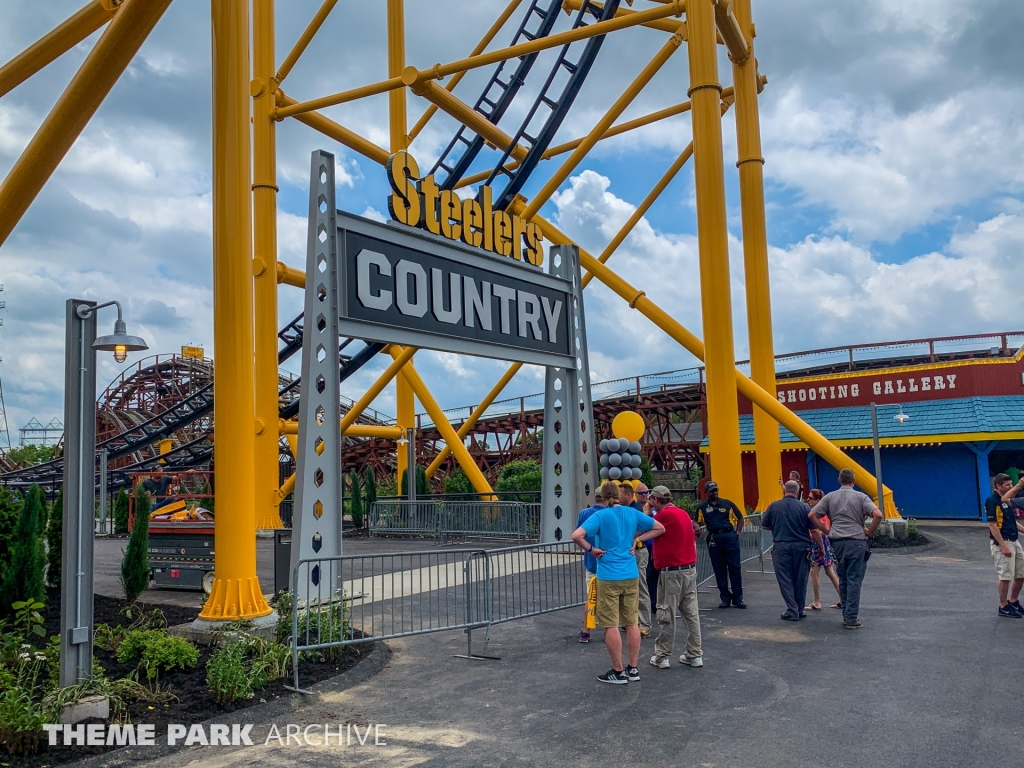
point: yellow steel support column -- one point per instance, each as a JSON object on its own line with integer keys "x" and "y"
{"x": 73, "y": 110}
{"x": 405, "y": 402}
{"x": 474, "y": 417}
{"x": 264, "y": 198}
{"x": 451, "y": 437}
{"x": 755, "y": 264}
{"x": 61, "y": 39}
{"x": 396, "y": 64}
{"x": 713, "y": 246}
{"x": 236, "y": 589}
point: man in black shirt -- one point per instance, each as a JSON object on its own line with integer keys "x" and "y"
{"x": 794, "y": 527}
{"x": 158, "y": 486}
{"x": 723, "y": 544}
{"x": 1006, "y": 549}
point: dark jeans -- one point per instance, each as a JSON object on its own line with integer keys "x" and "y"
{"x": 724, "y": 549}
{"x": 652, "y": 583}
{"x": 791, "y": 571}
{"x": 850, "y": 565}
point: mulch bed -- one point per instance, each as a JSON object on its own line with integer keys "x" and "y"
{"x": 888, "y": 542}
{"x": 193, "y": 703}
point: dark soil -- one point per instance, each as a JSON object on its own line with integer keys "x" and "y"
{"x": 888, "y": 542}
{"x": 192, "y": 703}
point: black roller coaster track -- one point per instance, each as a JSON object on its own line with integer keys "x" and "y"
{"x": 555, "y": 99}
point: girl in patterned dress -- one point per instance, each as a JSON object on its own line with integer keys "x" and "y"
{"x": 818, "y": 562}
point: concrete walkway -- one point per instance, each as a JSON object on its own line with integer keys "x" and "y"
{"x": 929, "y": 681}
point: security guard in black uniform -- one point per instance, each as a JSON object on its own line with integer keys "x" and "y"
{"x": 723, "y": 544}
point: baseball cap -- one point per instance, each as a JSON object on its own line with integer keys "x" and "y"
{"x": 661, "y": 492}
{"x": 711, "y": 486}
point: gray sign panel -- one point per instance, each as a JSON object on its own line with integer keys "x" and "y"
{"x": 398, "y": 284}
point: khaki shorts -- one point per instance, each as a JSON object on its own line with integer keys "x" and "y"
{"x": 617, "y": 603}
{"x": 1007, "y": 568}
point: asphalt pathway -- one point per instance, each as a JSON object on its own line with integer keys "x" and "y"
{"x": 929, "y": 681}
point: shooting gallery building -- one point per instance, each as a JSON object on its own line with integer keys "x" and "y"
{"x": 947, "y": 422}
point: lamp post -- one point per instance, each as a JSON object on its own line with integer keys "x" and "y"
{"x": 902, "y": 418}
{"x": 81, "y": 344}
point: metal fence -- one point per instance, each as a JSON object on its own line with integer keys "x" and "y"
{"x": 362, "y": 598}
{"x": 445, "y": 520}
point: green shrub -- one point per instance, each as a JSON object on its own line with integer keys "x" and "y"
{"x": 226, "y": 675}
{"x": 457, "y": 482}
{"x": 55, "y": 540}
{"x": 135, "y": 563}
{"x": 356, "y": 501}
{"x": 645, "y": 472}
{"x": 23, "y": 580}
{"x": 157, "y": 651}
{"x": 519, "y": 476}
{"x": 121, "y": 512}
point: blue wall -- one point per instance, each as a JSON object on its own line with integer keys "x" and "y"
{"x": 937, "y": 481}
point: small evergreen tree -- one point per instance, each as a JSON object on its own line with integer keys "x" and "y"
{"x": 135, "y": 563}
{"x": 369, "y": 487}
{"x": 9, "y": 511}
{"x": 422, "y": 484}
{"x": 356, "y": 501}
{"x": 121, "y": 512}
{"x": 23, "y": 580}
{"x": 55, "y": 540}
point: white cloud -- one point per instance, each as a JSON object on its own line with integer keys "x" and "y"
{"x": 885, "y": 174}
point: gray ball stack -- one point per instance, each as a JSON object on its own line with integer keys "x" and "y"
{"x": 620, "y": 459}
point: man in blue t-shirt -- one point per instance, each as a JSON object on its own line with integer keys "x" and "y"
{"x": 618, "y": 589}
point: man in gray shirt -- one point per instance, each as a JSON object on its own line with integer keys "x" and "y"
{"x": 847, "y": 509}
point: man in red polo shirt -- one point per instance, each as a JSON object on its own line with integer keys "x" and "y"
{"x": 675, "y": 556}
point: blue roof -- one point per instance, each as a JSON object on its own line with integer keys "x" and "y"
{"x": 935, "y": 417}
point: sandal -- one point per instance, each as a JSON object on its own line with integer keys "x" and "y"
{"x": 812, "y": 607}
{"x": 837, "y": 605}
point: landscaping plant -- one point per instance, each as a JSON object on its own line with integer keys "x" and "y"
{"x": 23, "y": 580}
{"x": 135, "y": 563}
{"x": 55, "y": 540}
{"x": 157, "y": 651}
{"x": 369, "y": 487}
{"x": 356, "y": 502}
{"x": 121, "y": 512}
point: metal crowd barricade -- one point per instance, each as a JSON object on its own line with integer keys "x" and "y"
{"x": 489, "y": 520}
{"x": 404, "y": 518}
{"x": 754, "y": 543}
{"x": 446, "y": 520}
{"x": 362, "y": 598}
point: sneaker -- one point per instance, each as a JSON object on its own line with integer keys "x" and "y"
{"x": 584, "y": 637}
{"x": 739, "y": 603}
{"x": 855, "y": 624}
{"x": 613, "y": 677}
{"x": 725, "y": 603}
{"x": 1009, "y": 611}
{"x": 633, "y": 674}
{"x": 1017, "y": 607}
{"x": 694, "y": 662}
{"x": 662, "y": 663}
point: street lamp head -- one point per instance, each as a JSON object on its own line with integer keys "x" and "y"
{"x": 119, "y": 342}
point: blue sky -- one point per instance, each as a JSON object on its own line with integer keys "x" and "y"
{"x": 893, "y": 135}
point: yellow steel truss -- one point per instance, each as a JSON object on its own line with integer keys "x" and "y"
{"x": 247, "y": 273}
